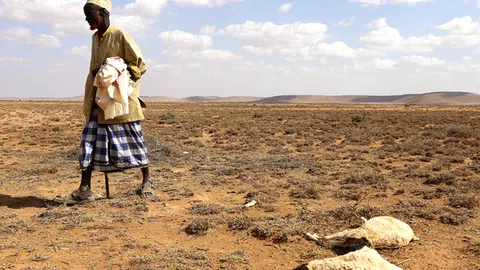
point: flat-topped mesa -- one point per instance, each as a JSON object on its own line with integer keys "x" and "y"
{"x": 377, "y": 232}
{"x": 365, "y": 259}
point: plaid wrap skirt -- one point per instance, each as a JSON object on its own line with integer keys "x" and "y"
{"x": 109, "y": 148}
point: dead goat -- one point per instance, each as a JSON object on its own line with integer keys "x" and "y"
{"x": 365, "y": 259}
{"x": 377, "y": 232}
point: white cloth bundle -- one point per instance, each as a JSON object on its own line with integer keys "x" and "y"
{"x": 114, "y": 86}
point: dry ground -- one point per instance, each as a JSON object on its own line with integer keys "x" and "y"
{"x": 311, "y": 168}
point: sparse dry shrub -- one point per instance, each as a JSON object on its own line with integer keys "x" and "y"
{"x": 142, "y": 260}
{"x": 285, "y": 163}
{"x": 409, "y": 208}
{"x": 16, "y": 225}
{"x": 240, "y": 223}
{"x": 459, "y": 131}
{"x": 68, "y": 217}
{"x": 358, "y": 136}
{"x": 266, "y": 195}
{"x": 367, "y": 176}
{"x": 474, "y": 166}
{"x": 453, "y": 216}
{"x": 472, "y": 249}
{"x": 415, "y": 145}
{"x": 351, "y": 215}
{"x": 439, "y": 165}
{"x": 176, "y": 259}
{"x": 236, "y": 258}
{"x": 305, "y": 191}
{"x": 440, "y": 178}
{"x": 199, "y": 226}
{"x": 463, "y": 201}
{"x": 260, "y": 232}
{"x": 350, "y": 192}
{"x": 159, "y": 149}
{"x": 438, "y": 193}
{"x": 205, "y": 209}
{"x": 38, "y": 257}
{"x": 470, "y": 184}
{"x": 184, "y": 259}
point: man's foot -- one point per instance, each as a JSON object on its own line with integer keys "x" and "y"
{"x": 81, "y": 195}
{"x": 146, "y": 189}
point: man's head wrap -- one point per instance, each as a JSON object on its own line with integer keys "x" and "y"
{"x": 106, "y": 4}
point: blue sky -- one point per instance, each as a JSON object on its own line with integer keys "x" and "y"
{"x": 251, "y": 47}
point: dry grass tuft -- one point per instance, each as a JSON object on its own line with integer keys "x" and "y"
{"x": 240, "y": 223}
{"x": 305, "y": 191}
{"x": 12, "y": 227}
{"x": 263, "y": 196}
{"x": 367, "y": 176}
{"x": 463, "y": 201}
{"x": 205, "y": 209}
{"x": 199, "y": 226}
{"x": 260, "y": 232}
{"x": 38, "y": 257}
{"x": 236, "y": 258}
{"x": 440, "y": 178}
{"x": 453, "y": 216}
{"x": 472, "y": 249}
{"x": 351, "y": 215}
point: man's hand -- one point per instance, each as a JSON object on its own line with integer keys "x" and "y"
{"x": 131, "y": 74}
{"x": 95, "y": 71}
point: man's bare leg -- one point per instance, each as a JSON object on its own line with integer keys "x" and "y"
{"x": 86, "y": 178}
{"x": 147, "y": 185}
{"x": 146, "y": 175}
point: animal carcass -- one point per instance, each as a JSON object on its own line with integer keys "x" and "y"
{"x": 377, "y": 232}
{"x": 363, "y": 259}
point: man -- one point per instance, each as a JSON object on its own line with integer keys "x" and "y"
{"x": 114, "y": 144}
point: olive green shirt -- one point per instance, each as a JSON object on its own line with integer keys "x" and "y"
{"x": 115, "y": 42}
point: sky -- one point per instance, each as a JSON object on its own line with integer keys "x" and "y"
{"x": 251, "y": 47}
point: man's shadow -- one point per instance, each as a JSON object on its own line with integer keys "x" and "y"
{"x": 25, "y": 202}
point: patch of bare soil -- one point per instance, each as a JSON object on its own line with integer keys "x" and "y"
{"x": 310, "y": 168}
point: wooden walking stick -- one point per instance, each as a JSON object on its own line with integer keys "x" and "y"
{"x": 107, "y": 187}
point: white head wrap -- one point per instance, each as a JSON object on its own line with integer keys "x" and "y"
{"x": 106, "y": 4}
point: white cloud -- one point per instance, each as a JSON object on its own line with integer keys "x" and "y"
{"x": 46, "y": 41}
{"x": 135, "y": 25}
{"x": 384, "y": 63}
{"x": 203, "y": 55}
{"x": 422, "y": 61}
{"x": 208, "y": 30}
{"x": 266, "y": 37}
{"x": 10, "y": 59}
{"x": 16, "y": 33}
{"x": 83, "y": 51}
{"x": 206, "y": 3}
{"x": 68, "y": 28}
{"x": 259, "y": 50}
{"x": 346, "y": 23}
{"x": 284, "y": 8}
{"x": 42, "y": 10}
{"x": 26, "y": 35}
{"x": 302, "y": 40}
{"x": 221, "y": 55}
{"x": 461, "y": 31}
{"x": 339, "y": 49}
{"x": 145, "y": 7}
{"x": 367, "y": 3}
{"x": 387, "y": 38}
{"x": 182, "y": 40}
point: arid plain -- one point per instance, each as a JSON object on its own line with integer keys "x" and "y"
{"x": 311, "y": 168}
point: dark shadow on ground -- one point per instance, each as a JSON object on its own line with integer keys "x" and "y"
{"x": 25, "y": 202}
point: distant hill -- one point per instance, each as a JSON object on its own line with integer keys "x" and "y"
{"x": 433, "y": 98}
